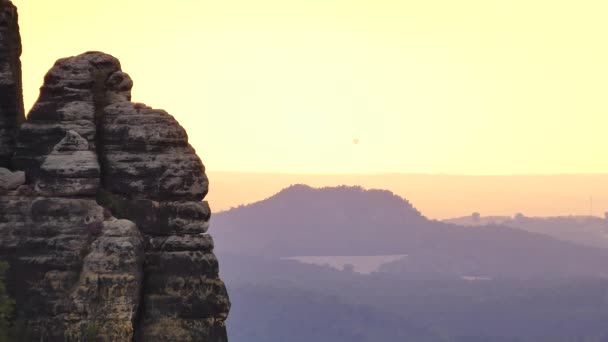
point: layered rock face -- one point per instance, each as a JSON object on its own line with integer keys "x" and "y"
{"x": 102, "y": 219}
{"x": 11, "y": 99}
{"x": 72, "y": 271}
{"x": 184, "y": 299}
{"x": 158, "y": 180}
{"x": 146, "y": 155}
{"x": 73, "y": 93}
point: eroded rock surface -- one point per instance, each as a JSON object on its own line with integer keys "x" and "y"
{"x": 66, "y": 276}
{"x": 156, "y": 176}
{"x": 108, "y": 292}
{"x": 72, "y": 95}
{"x": 10, "y": 180}
{"x": 184, "y": 298}
{"x": 71, "y": 169}
{"x": 104, "y": 227}
{"x": 11, "y": 99}
{"x": 147, "y": 155}
{"x": 157, "y": 180}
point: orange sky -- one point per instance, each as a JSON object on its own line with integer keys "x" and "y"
{"x": 471, "y": 86}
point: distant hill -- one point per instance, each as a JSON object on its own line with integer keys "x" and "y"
{"x": 339, "y": 221}
{"x": 301, "y": 220}
{"x": 586, "y": 230}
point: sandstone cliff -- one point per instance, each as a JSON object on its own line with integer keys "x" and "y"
{"x": 11, "y": 100}
{"x": 102, "y": 217}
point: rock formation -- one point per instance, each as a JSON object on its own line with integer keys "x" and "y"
{"x": 101, "y": 215}
{"x": 146, "y": 155}
{"x": 11, "y": 99}
{"x": 71, "y": 99}
{"x": 72, "y": 269}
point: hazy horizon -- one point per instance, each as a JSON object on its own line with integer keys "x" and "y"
{"x": 437, "y": 196}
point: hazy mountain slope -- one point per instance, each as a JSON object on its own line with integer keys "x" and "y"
{"x": 270, "y": 291}
{"x": 301, "y": 220}
{"x": 268, "y": 314}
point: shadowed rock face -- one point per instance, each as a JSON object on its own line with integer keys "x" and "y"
{"x": 184, "y": 299}
{"x": 106, "y": 239}
{"x": 11, "y": 99}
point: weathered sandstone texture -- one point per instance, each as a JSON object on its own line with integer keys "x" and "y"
{"x": 71, "y": 269}
{"x": 10, "y": 180}
{"x": 71, "y": 169}
{"x": 72, "y": 95}
{"x": 101, "y": 214}
{"x": 11, "y": 99}
{"x": 146, "y": 155}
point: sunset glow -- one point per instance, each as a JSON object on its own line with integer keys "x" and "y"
{"x": 470, "y": 87}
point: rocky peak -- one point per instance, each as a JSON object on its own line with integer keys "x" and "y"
{"x": 71, "y": 99}
{"x": 107, "y": 237}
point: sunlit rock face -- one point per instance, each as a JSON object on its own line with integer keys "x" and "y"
{"x": 11, "y": 99}
{"x": 108, "y": 293}
{"x": 72, "y": 270}
{"x": 101, "y": 216}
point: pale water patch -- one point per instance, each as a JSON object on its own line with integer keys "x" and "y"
{"x": 360, "y": 264}
{"x": 475, "y": 278}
